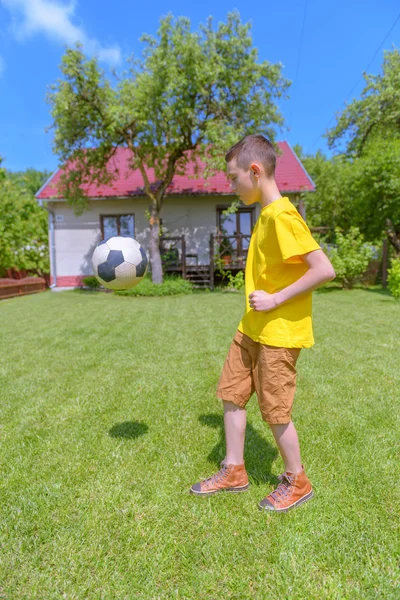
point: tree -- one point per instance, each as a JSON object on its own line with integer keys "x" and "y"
{"x": 361, "y": 192}
{"x": 23, "y": 228}
{"x": 372, "y": 128}
{"x": 329, "y": 205}
{"x": 376, "y": 113}
{"x": 30, "y": 179}
{"x": 350, "y": 256}
{"x": 191, "y": 96}
{"x": 374, "y": 190}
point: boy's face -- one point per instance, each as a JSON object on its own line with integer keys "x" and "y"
{"x": 244, "y": 182}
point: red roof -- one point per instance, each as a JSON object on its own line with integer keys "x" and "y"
{"x": 290, "y": 176}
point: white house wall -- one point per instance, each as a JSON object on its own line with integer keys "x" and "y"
{"x": 77, "y": 237}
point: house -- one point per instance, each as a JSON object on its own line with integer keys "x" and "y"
{"x": 192, "y": 211}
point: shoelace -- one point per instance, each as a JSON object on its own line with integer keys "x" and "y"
{"x": 283, "y": 488}
{"x": 217, "y": 477}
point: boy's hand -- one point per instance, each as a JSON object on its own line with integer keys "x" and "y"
{"x": 260, "y": 300}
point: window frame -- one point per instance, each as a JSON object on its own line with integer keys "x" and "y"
{"x": 251, "y": 209}
{"x": 117, "y": 216}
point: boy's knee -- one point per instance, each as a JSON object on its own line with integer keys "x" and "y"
{"x": 233, "y": 406}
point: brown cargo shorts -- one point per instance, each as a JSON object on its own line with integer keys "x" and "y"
{"x": 270, "y": 371}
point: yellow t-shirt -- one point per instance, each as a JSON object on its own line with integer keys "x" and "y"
{"x": 279, "y": 237}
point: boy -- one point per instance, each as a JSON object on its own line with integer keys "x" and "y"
{"x": 284, "y": 264}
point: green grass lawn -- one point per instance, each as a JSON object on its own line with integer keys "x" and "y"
{"x": 109, "y": 414}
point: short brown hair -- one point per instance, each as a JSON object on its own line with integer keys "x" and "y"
{"x": 254, "y": 147}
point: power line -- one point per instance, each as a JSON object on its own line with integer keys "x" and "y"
{"x": 360, "y": 78}
{"x": 301, "y": 41}
{"x": 299, "y": 55}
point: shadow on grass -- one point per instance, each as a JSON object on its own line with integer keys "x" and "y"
{"x": 374, "y": 290}
{"x": 129, "y": 430}
{"x": 382, "y": 291}
{"x": 259, "y": 454}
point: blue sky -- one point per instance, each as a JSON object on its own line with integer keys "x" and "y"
{"x": 340, "y": 39}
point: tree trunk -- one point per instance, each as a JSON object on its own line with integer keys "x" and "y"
{"x": 392, "y": 236}
{"x": 154, "y": 246}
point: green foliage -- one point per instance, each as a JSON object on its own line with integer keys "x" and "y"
{"x": 232, "y": 209}
{"x": 189, "y": 90}
{"x": 362, "y": 192}
{"x": 30, "y": 179}
{"x": 91, "y": 282}
{"x": 191, "y": 96}
{"x": 394, "y": 279}
{"x": 377, "y": 113}
{"x": 236, "y": 281}
{"x": 350, "y": 257}
{"x": 219, "y": 267}
{"x": 373, "y": 187}
{"x": 329, "y": 205}
{"x": 170, "y": 257}
{"x": 371, "y": 128}
{"x": 23, "y": 228}
{"x": 170, "y": 287}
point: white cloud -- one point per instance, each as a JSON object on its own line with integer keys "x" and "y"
{"x": 54, "y": 19}
{"x": 2, "y": 66}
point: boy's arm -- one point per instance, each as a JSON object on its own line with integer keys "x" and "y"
{"x": 320, "y": 271}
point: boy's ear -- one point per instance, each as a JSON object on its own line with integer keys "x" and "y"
{"x": 256, "y": 169}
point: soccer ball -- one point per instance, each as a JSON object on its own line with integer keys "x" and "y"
{"x": 119, "y": 263}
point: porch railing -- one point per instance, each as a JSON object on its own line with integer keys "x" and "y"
{"x": 226, "y": 251}
{"x": 231, "y": 250}
{"x": 173, "y": 253}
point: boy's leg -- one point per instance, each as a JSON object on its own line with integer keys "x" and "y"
{"x": 235, "y": 429}
{"x": 275, "y": 380}
{"x": 285, "y": 437}
{"x": 288, "y": 444}
{"x": 232, "y": 476}
{"x": 294, "y": 486}
{"x": 235, "y": 387}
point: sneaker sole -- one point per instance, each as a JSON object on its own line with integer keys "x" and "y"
{"x": 235, "y": 490}
{"x": 294, "y": 505}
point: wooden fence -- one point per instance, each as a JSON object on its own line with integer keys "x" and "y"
{"x": 20, "y": 287}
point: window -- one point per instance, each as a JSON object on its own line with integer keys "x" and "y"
{"x": 117, "y": 225}
{"x": 241, "y": 222}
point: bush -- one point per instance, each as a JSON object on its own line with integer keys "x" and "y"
{"x": 91, "y": 282}
{"x": 350, "y": 257}
{"x": 236, "y": 281}
{"x": 23, "y": 229}
{"x": 170, "y": 287}
{"x": 394, "y": 278}
{"x": 169, "y": 257}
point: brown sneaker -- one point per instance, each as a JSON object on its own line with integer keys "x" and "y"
{"x": 293, "y": 490}
{"x": 231, "y": 478}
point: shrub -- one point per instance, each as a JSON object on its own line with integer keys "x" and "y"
{"x": 23, "y": 229}
{"x": 394, "y": 278}
{"x": 170, "y": 257}
{"x": 170, "y": 287}
{"x": 236, "y": 281}
{"x": 350, "y": 257}
{"x": 91, "y": 282}
{"x": 219, "y": 267}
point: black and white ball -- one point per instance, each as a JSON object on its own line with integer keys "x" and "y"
{"x": 119, "y": 263}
